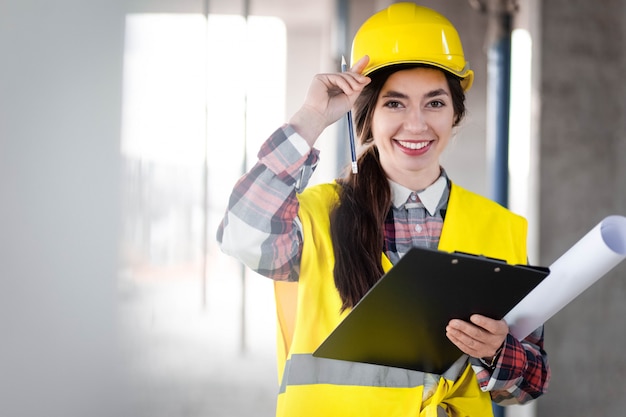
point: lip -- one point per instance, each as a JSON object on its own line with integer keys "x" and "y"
{"x": 413, "y": 147}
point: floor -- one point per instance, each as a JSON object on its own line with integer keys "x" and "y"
{"x": 189, "y": 357}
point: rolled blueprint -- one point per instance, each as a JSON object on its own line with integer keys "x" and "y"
{"x": 599, "y": 251}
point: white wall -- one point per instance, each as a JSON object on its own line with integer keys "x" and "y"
{"x": 60, "y": 85}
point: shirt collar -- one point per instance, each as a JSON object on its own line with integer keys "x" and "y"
{"x": 430, "y": 196}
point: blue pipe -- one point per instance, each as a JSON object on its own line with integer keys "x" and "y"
{"x": 499, "y": 93}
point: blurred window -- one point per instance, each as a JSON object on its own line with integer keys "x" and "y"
{"x": 200, "y": 95}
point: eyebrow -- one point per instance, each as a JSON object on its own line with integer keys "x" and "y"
{"x": 430, "y": 94}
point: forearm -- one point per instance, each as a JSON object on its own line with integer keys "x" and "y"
{"x": 522, "y": 372}
{"x": 260, "y": 227}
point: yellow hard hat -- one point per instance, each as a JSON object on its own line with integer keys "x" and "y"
{"x": 405, "y": 33}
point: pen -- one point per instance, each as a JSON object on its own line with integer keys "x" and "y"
{"x": 344, "y": 68}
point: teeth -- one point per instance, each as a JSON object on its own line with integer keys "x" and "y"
{"x": 413, "y": 145}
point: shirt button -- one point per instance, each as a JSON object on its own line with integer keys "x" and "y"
{"x": 413, "y": 197}
{"x": 418, "y": 228}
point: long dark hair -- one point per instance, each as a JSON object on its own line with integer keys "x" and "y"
{"x": 357, "y": 222}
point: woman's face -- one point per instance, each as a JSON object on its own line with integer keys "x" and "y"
{"x": 412, "y": 125}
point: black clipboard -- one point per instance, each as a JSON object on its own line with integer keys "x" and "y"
{"x": 401, "y": 321}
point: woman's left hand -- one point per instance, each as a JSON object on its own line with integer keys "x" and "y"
{"x": 481, "y": 337}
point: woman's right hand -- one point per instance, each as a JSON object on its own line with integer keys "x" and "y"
{"x": 330, "y": 96}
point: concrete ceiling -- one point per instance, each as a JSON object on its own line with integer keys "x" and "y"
{"x": 293, "y": 12}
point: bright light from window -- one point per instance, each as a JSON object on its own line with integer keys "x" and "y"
{"x": 163, "y": 88}
{"x": 195, "y": 89}
{"x": 175, "y": 65}
{"x": 246, "y": 89}
{"x": 520, "y": 120}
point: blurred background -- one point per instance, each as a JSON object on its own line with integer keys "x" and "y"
{"x": 125, "y": 123}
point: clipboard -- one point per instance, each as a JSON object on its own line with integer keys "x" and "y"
{"x": 401, "y": 321}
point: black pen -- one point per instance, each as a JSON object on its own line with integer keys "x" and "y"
{"x": 355, "y": 169}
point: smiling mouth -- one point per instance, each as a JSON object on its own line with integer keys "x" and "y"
{"x": 413, "y": 145}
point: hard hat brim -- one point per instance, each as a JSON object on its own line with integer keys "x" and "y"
{"x": 466, "y": 76}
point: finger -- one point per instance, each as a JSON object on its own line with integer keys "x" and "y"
{"x": 356, "y": 81}
{"x": 467, "y": 334}
{"x": 343, "y": 83}
{"x": 360, "y": 65}
{"x": 470, "y": 346}
{"x": 469, "y": 329}
{"x": 473, "y": 340}
{"x": 464, "y": 342}
{"x": 476, "y": 341}
{"x": 496, "y": 327}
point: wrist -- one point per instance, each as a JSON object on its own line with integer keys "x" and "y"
{"x": 308, "y": 124}
{"x": 491, "y": 362}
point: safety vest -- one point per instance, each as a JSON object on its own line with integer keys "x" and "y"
{"x": 314, "y": 387}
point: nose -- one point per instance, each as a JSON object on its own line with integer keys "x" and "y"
{"x": 415, "y": 121}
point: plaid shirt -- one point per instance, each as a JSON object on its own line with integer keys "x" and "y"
{"x": 261, "y": 229}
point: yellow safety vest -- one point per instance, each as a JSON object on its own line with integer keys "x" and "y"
{"x": 309, "y": 310}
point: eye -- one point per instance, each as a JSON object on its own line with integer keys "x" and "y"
{"x": 393, "y": 104}
{"x": 436, "y": 104}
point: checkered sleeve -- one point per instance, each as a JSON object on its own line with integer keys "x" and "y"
{"x": 521, "y": 374}
{"x": 260, "y": 227}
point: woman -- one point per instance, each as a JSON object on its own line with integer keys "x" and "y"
{"x": 336, "y": 240}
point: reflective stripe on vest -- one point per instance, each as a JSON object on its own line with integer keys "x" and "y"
{"x": 304, "y": 369}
